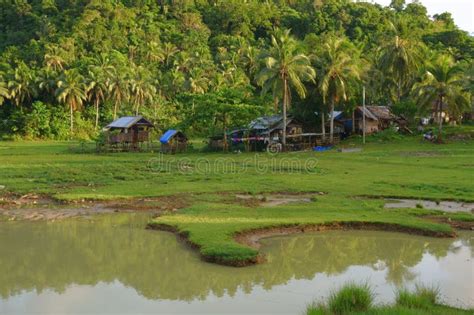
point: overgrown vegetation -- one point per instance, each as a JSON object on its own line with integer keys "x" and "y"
{"x": 354, "y": 299}
{"x": 69, "y": 67}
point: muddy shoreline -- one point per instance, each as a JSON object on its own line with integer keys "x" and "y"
{"x": 252, "y": 237}
{"x": 33, "y": 207}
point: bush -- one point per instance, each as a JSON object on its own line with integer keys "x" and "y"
{"x": 408, "y": 109}
{"x": 351, "y": 298}
{"x": 38, "y": 121}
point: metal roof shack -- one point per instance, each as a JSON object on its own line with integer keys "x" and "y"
{"x": 129, "y": 133}
{"x": 128, "y": 122}
{"x": 270, "y": 124}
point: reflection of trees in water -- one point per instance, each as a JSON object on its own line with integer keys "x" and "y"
{"x": 333, "y": 252}
{"x": 38, "y": 256}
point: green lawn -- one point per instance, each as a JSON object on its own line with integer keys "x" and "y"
{"x": 407, "y": 168}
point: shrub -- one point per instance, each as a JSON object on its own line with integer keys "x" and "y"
{"x": 351, "y": 298}
{"x": 38, "y": 121}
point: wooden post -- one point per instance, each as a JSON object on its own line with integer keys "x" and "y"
{"x": 323, "y": 126}
{"x": 225, "y": 133}
{"x": 363, "y": 115}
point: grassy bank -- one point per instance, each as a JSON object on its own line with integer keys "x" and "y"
{"x": 341, "y": 188}
{"x": 354, "y": 299}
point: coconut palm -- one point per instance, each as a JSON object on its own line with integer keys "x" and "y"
{"x": 71, "y": 91}
{"x": 339, "y": 69}
{"x": 4, "y": 93}
{"x": 118, "y": 88}
{"x": 400, "y": 58}
{"x": 141, "y": 88}
{"x": 168, "y": 51}
{"x": 21, "y": 85}
{"x": 197, "y": 82}
{"x": 443, "y": 84}
{"x": 53, "y": 58}
{"x": 284, "y": 69}
{"x": 154, "y": 52}
{"x": 96, "y": 89}
{"x": 46, "y": 82}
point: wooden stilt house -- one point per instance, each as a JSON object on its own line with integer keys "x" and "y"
{"x": 130, "y": 133}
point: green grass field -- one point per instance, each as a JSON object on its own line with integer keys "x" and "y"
{"x": 408, "y": 168}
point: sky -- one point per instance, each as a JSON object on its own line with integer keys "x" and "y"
{"x": 461, "y": 10}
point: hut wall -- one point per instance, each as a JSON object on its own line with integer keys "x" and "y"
{"x": 371, "y": 126}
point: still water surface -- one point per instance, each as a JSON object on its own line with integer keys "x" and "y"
{"x": 114, "y": 265}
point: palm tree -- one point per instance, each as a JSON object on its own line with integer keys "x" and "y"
{"x": 53, "y": 58}
{"x": 21, "y": 85}
{"x": 400, "y": 58}
{"x": 71, "y": 91}
{"x": 141, "y": 88}
{"x": 339, "y": 69}
{"x": 197, "y": 82}
{"x": 284, "y": 69}
{"x": 118, "y": 89}
{"x": 96, "y": 89}
{"x": 46, "y": 82}
{"x": 168, "y": 51}
{"x": 443, "y": 83}
{"x": 154, "y": 52}
{"x": 4, "y": 93}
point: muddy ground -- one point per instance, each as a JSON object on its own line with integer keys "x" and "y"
{"x": 33, "y": 207}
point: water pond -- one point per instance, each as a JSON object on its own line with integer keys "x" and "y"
{"x": 112, "y": 264}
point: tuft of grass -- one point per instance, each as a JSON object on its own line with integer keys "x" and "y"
{"x": 351, "y": 297}
{"x": 419, "y": 206}
{"x": 424, "y": 297}
{"x": 317, "y": 309}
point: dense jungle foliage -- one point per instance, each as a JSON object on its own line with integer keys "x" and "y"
{"x": 68, "y": 67}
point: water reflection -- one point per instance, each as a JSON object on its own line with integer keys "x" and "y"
{"x": 35, "y": 257}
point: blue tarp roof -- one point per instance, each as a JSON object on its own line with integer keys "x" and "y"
{"x": 337, "y": 114}
{"x": 168, "y": 135}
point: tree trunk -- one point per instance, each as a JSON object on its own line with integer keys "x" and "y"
{"x": 96, "y": 114}
{"x": 353, "y": 121}
{"x": 399, "y": 92}
{"x": 285, "y": 104}
{"x": 115, "y": 111}
{"x": 225, "y": 132}
{"x": 323, "y": 126}
{"x": 440, "y": 117}
{"x": 71, "y": 112}
{"x": 331, "y": 130}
